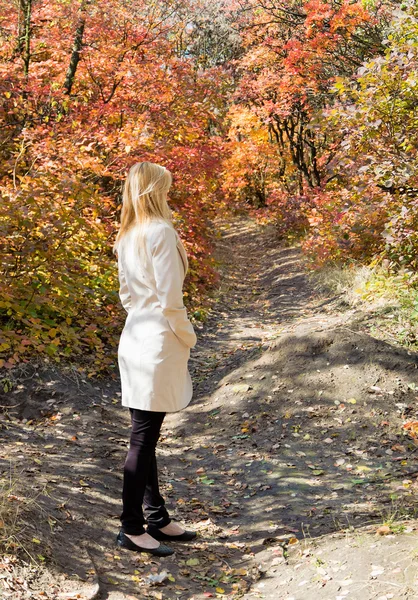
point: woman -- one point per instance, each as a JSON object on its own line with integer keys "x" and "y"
{"x": 154, "y": 349}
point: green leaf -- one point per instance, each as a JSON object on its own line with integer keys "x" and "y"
{"x": 206, "y": 480}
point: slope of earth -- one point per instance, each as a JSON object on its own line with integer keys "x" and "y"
{"x": 294, "y": 436}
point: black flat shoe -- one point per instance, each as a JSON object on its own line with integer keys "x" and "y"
{"x": 124, "y": 542}
{"x": 157, "y": 534}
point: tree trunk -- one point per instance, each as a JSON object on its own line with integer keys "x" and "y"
{"x": 77, "y": 47}
{"x": 23, "y": 43}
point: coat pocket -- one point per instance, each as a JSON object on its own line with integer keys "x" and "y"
{"x": 164, "y": 347}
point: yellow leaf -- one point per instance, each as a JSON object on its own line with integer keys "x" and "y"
{"x": 352, "y": 401}
{"x": 241, "y": 571}
{"x": 383, "y": 530}
{"x": 220, "y": 590}
{"x": 36, "y": 541}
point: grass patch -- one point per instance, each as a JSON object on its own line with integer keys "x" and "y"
{"x": 389, "y": 300}
{"x": 17, "y": 511}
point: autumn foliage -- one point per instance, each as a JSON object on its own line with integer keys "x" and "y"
{"x": 87, "y": 89}
{"x": 302, "y": 112}
{"x": 323, "y": 127}
{"x": 373, "y": 200}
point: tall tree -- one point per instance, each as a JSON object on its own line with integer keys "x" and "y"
{"x": 77, "y": 47}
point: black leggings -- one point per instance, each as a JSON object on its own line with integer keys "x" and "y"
{"x": 140, "y": 475}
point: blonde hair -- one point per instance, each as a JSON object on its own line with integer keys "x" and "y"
{"x": 144, "y": 198}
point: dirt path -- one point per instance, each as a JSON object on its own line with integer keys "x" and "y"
{"x": 289, "y": 459}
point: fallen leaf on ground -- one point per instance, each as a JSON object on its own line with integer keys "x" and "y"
{"x": 240, "y": 387}
{"x": 157, "y": 578}
{"x": 383, "y": 530}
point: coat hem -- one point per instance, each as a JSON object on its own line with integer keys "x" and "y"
{"x": 167, "y": 410}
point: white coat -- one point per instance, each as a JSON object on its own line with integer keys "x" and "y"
{"x": 154, "y": 346}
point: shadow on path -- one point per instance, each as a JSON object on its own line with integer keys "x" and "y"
{"x": 294, "y": 434}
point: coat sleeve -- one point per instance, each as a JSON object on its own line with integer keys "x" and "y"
{"x": 124, "y": 294}
{"x": 169, "y": 284}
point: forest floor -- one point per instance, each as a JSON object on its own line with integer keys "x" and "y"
{"x": 291, "y": 461}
